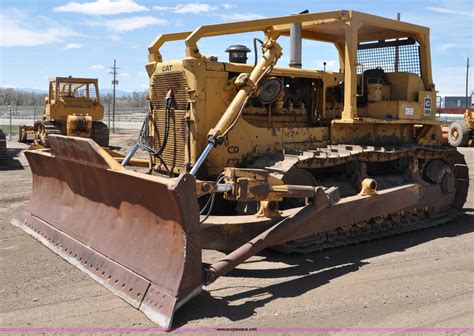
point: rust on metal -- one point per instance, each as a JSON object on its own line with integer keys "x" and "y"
{"x": 319, "y": 216}
{"x": 141, "y": 231}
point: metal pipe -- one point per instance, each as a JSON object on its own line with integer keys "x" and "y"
{"x": 278, "y": 233}
{"x": 295, "y": 45}
{"x": 397, "y": 49}
{"x": 222, "y": 187}
{"x": 130, "y": 154}
{"x": 362, "y": 79}
{"x": 289, "y": 190}
{"x": 10, "y": 122}
{"x": 449, "y": 117}
{"x": 201, "y": 158}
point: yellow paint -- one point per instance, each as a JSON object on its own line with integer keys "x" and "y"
{"x": 393, "y": 115}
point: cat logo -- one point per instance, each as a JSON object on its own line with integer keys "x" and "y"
{"x": 427, "y": 106}
{"x": 166, "y": 68}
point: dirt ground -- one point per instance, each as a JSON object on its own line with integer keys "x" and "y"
{"x": 421, "y": 279}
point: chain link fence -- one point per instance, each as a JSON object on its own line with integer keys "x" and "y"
{"x": 13, "y": 116}
{"x": 36, "y": 112}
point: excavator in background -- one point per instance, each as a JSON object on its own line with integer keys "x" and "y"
{"x": 72, "y": 108}
{"x": 245, "y": 157}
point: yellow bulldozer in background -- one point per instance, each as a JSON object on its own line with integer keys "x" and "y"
{"x": 73, "y": 108}
{"x": 249, "y": 156}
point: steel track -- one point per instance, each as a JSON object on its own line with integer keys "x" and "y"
{"x": 391, "y": 225}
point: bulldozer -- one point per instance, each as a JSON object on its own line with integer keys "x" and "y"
{"x": 462, "y": 131}
{"x": 245, "y": 157}
{"x": 72, "y": 108}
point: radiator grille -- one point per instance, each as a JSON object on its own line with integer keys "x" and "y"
{"x": 176, "y": 81}
{"x": 174, "y": 154}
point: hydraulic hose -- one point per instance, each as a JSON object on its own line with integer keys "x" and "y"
{"x": 143, "y": 140}
{"x": 255, "y": 40}
{"x": 168, "y": 104}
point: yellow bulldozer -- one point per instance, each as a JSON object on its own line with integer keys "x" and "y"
{"x": 72, "y": 108}
{"x": 245, "y": 157}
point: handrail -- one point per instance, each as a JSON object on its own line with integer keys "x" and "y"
{"x": 154, "y": 47}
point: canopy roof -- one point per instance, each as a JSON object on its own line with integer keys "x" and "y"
{"x": 73, "y": 80}
{"x": 324, "y": 26}
{"x": 372, "y": 27}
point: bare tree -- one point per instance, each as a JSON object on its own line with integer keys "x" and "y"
{"x": 136, "y": 99}
{"x": 20, "y": 98}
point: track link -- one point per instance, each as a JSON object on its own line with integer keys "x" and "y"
{"x": 376, "y": 228}
{"x": 43, "y": 129}
{"x": 363, "y": 232}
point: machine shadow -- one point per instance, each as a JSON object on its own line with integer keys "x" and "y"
{"x": 208, "y": 306}
{"x": 355, "y": 253}
{"x": 331, "y": 264}
{"x": 11, "y": 161}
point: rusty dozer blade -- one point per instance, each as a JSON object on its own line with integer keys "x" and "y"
{"x": 136, "y": 234}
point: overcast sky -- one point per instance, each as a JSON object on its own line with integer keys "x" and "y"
{"x": 45, "y": 38}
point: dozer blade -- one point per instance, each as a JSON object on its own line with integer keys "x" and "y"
{"x": 136, "y": 234}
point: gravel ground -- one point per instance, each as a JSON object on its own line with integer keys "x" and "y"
{"x": 423, "y": 279}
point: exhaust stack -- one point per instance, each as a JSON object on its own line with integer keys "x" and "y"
{"x": 295, "y": 45}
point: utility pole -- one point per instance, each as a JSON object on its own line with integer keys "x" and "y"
{"x": 108, "y": 109}
{"x": 467, "y": 82}
{"x": 114, "y": 83}
{"x": 11, "y": 122}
